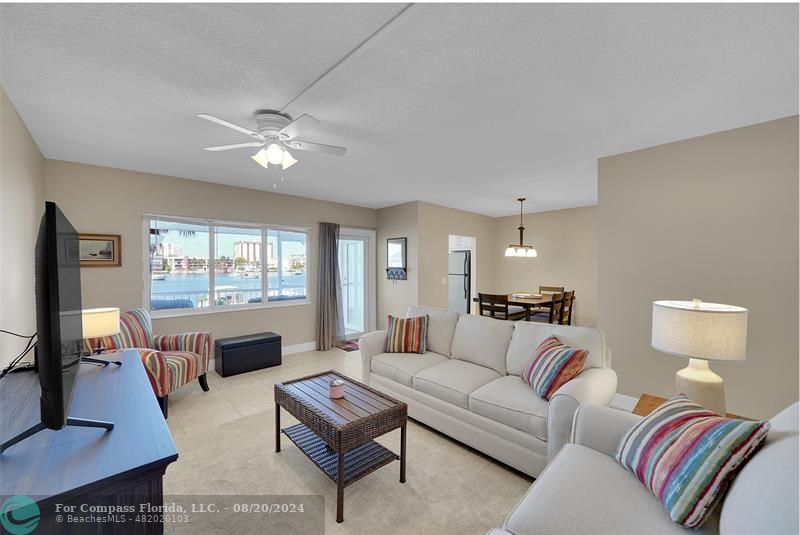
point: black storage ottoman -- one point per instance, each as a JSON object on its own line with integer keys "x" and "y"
{"x": 242, "y": 354}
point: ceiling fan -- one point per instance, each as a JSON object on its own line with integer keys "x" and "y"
{"x": 278, "y": 133}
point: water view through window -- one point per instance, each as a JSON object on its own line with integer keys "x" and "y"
{"x": 242, "y": 271}
{"x": 286, "y": 265}
{"x": 237, "y": 275}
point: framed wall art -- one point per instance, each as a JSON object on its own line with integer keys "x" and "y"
{"x": 100, "y": 250}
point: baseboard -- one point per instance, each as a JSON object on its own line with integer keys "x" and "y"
{"x": 623, "y": 402}
{"x": 285, "y": 350}
{"x": 299, "y": 348}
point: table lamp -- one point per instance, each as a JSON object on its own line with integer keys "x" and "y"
{"x": 702, "y": 332}
{"x": 100, "y": 322}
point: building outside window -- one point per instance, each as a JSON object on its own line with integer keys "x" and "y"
{"x": 286, "y": 264}
{"x": 179, "y": 274}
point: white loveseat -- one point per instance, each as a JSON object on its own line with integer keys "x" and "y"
{"x": 585, "y": 491}
{"x": 467, "y": 385}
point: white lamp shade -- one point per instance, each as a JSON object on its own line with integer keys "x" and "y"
{"x": 511, "y": 252}
{"x": 274, "y": 154}
{"x": 288, "y": 160}
{"x": 700, "y": 330}
{"x": 99, "y": 322}
{"x": 261, "y": 158}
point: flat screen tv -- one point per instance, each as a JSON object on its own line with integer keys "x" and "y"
{"x": 58, "y": 314}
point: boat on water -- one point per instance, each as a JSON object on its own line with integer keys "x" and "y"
{"x": 159, "y": 276}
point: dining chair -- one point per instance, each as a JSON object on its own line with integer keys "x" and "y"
{"x": 551, "y": 289}
{"x": 566, "y": 307}
{"x": 496, "y": 306}
{"x": 554, "y": 312}
{"x": 543, "y": 290}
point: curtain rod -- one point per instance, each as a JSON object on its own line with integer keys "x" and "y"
{"x": 358, "y": 227}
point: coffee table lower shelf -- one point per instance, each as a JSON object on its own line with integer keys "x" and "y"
{"x": 358, "y": 462}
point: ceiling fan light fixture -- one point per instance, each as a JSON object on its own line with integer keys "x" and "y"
{"x": 288, "y": 160}
{"x": 276, "y": 132}
{"x": 274, "y": 154}
{"x": 261, "y": 158}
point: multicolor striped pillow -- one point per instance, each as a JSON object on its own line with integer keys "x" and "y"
{"x": 686, "y": 456}
{"x": 552, "y": 365}
{"x": 406, "y": 335}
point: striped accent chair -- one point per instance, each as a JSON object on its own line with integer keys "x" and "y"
{"x": 171, "y": 360}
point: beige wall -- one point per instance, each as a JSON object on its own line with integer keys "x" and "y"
{"x": 714, "y": 217}
{"x": 566, "y": 241}
{"x": 21, "y": 207}
{"x": 105, "y": 200}
{"x": 394, "y": 297}
{"x": 436, "y": 224}
{"x": 428, "y": 227}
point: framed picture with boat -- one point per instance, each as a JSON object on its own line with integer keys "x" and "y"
{"x": 100, "y": 250}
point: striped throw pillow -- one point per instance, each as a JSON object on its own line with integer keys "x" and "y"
{"x": 551, "y": 366}
{"x": 406, "y": 335}
{"x": 686, "y": 456}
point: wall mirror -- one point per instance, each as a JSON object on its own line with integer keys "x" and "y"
{"x": 396, "y": 253}
{"x": 396, "y": 259}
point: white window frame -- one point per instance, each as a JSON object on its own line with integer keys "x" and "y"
{"x": 212, "y": 308}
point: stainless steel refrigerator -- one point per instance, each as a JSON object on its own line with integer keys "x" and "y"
{"x": 459, "y": 281}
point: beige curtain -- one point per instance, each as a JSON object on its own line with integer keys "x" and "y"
{"x": 330, "y": 323}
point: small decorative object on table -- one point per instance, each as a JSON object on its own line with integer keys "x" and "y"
{"x": 336, "y": 389}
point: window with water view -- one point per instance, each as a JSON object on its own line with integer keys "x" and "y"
{"x": 249, "y": 261}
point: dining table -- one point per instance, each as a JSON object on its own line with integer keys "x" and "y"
{"x": 541, "y": 300}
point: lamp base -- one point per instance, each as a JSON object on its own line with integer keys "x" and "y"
{"x": 701, "y": 385}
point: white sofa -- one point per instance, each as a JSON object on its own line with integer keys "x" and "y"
{"x": 468, "y": 386}
{"x": 584, "y": 490}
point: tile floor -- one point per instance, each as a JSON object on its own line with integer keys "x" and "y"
{"x": 225, "y": 440}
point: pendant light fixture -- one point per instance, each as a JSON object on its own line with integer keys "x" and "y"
{"x": 520, "y": 249}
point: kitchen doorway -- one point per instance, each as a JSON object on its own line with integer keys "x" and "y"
{"x": 461, "y": 273}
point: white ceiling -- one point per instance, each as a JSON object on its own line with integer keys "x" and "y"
{"x": 465, "y": 105}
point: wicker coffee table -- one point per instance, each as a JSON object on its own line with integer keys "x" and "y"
{"x": 336, "y": 434}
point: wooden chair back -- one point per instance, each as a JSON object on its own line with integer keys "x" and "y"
{"x": 497, "y": 307}
{"x": 556, "y": 308}
{"x": 566, "y": 307}
{"x": 551, "y": 289}
{"x": 493, "y": 304}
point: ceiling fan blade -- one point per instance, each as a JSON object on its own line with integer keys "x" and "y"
{"x": 317, "y": 147}
{"x": 303, "y": 124}
{"x": 227, "y": 124}
{"x": 237, "y": 146}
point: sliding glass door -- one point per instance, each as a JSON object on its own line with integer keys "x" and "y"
{"x": 356, "y": 273}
